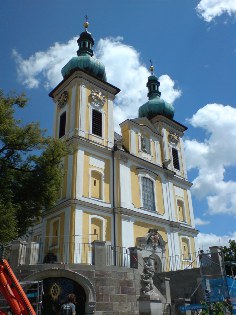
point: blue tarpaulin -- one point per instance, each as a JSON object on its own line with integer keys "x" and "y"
{"x": 231, "y": 282}
{"x": 216, "y": 289}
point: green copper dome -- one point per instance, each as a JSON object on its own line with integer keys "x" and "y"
{"x": 155, "y": 105}
{"x": 85, "y": 60}
{"x": 87, "y": 63}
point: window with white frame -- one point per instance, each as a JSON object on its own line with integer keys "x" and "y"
{"x": 175, "y": 158}
{"x": 186, "y": 255}
{"x": 181, "y": 210}
{"x": 62, "y": 125}
{"x": 96, "y": 228}
{"x": 96, "y": 182}
{"x": 96, "y": 122}
{"x": 148, "y": 196}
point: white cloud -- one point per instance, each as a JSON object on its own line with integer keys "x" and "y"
{"x": 206, "y": 240}
{"x": 44, "y": 67}
{"x": 209, "y": 9}
{"x": 213, "y": 157}
{"x": 123, "y": 67}
{"x": 199, "y": 221}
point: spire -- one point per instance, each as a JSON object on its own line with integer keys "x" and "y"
{"x": 85, "y": 41}
{"x": 153, "y": 84}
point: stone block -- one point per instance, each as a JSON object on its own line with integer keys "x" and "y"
{"x": 126, "y": 283}
{"x": 102, "y": 297}
{"x": 121, "y": 307}
{"x": 127, "y": 290}
{"x": 105, "y": 307}
{"x": 122, "y": 298}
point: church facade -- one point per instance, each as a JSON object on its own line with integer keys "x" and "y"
{"x": 116, "y": 187}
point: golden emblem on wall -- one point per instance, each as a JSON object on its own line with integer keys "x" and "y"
{"x": 55, "y": 291}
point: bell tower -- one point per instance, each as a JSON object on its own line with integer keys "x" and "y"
{"x": 84, "y": 99}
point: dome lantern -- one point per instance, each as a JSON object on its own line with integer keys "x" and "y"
{"x": 155, "y": 105}
{"x": 85, "y": 60}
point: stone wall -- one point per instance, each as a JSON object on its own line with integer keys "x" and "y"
{"x": 117, "y": 289}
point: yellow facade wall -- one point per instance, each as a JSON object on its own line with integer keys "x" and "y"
{"x": 135, "y": 187}
{"x": 126, "y": 136}
{"x": 86, "y": 177}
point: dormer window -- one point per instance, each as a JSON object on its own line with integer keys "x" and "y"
{"x": 145, "y": 144}
{"x": 96, "y": 123}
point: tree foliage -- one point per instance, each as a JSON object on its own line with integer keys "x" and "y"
{"x": 230, "y": 257}
{"x": 30, "y": 169}
{"x": 217, "y": 308}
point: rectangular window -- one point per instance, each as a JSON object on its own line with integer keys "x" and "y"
{"x": 148, "y": 194}
{"x": 62, "y": 126}
{"x": 97, "y": 123}
{"x": 175, "y": 156}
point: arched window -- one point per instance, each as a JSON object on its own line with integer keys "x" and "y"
{"x": 181, "y": 210}
{"x": 96, "y": 229}
{"x": 96, "y": 185}
{"x": 148, "y": 196}
{"x": 186, "y": 249}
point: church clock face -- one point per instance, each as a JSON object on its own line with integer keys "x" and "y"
{"x": 98, "y": 99}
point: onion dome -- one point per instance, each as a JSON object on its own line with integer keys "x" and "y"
{"x": 155, "y": 105}
{"x": 85, "y": 60}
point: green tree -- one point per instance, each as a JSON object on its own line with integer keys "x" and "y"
{"x": 217, "y": 308}
{"x": 229, "y": 253}
{"x": 30, "y": 170}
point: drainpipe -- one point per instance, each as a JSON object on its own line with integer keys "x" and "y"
{"x": 113, "y": 201}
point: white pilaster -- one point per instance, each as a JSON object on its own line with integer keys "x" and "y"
{"x": 82, "y": 116}
{"x": 172, "y": 201}
{"x": 190, "y": 205}
{"x": 125, "y": 186}
{"x": 78, "y": 236}
{"x": 72, "y": 111}
{"x": 167, "y": 208}
{"x": 127, "y": 226}
{"x": 133, "y": 142}
{"x": 177, "y": 251}
{"x": 165, "y": 145}
{"x": 80, "y": 174}
{"x": 110, "y": 124}
{"x": 183, "y": 157}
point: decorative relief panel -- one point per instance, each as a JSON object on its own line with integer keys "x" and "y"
{"x": 63, "y": 99}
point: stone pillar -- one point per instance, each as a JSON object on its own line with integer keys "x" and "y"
{"x": 99, "y": 254}
{"x": 217, "y": 267}
{"x": 17, "y": 254}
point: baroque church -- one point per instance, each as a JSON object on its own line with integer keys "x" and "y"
{"x": 120, "y": 191}
{"x": 116, "y": 187}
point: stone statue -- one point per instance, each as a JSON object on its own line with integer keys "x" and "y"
{"x": 146, "y": 277}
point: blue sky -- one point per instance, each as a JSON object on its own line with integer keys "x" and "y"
{"x": 193, "y": 47}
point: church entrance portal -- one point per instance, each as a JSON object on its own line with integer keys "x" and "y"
{"x": 55, "y": 294}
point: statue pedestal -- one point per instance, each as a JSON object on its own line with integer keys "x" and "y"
{"x": 150, "y": 305}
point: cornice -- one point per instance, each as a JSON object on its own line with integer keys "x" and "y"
{"x": 83, "y": 76}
